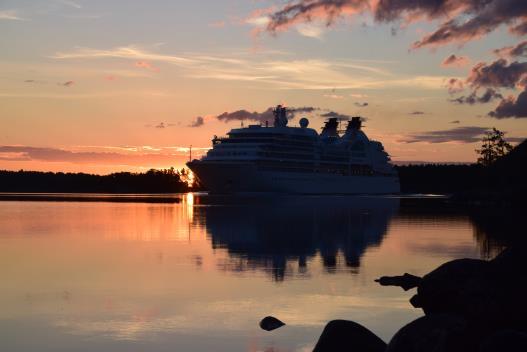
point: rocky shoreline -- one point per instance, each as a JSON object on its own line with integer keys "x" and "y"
{"x": 470, "y": 305}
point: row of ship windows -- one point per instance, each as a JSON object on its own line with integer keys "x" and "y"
{"x": 341, "y": 157}
{"x": 217, "y": 153}
{"x": 272, "y": 135}
{"x": 335, "y": 171}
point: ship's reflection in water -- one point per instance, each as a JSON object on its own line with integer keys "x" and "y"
{"x": 198, "y": 275}
{"x": 282, "y": 235}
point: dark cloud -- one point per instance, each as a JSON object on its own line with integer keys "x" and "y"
{"x": 361, "y": 105}
{"x": 489, "y": 95}
{"x": 465, "y": 19}
{"x": 27, "y": 153}
{"x": 302, "y": 110}
{"x": 163, "y": 125}
{"x": 306, "y": 10}
{"x": 520, "y": 29}
{"x": 243, "y": 115}
{"x": 394, "y": 10}
{"x": 494, "y": 76}
{"x": 68, "y": 83}
{"x": 333, "y": 114}
{"x": 498, "y": 74}
{"x": 477, "y": 19}
{"x": 469, "y": 134}
{"x": 518, "y": 50}
{"x": 267, "y": 115}
{"x": 454, "y": 60}
{"x": 416, "y": 113}
{"x": 455, "y": 121}
{"x": 198, "y": 122}
{"x": 512, "y": 107}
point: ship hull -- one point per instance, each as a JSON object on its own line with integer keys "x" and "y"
{"x": 233, "y": 177}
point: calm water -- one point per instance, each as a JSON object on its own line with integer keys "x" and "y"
{"x": 199, "y": 275}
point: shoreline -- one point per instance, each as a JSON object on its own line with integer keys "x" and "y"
{"x": 92, "y": 197}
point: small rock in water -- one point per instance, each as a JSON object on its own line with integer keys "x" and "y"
{"x": 271, "y": 323}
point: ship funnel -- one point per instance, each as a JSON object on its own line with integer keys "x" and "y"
{"x": 355, "y": 123}
{"x": 280, "y": 116}
{"x": 330, "y": 128}
{"x": 353, "y": 129}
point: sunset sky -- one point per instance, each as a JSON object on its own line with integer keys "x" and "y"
{"x": 106, "y": 85}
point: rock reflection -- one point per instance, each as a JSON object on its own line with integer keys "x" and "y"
{"x": 496, "y": 229}
{"x": 281, "y": 236}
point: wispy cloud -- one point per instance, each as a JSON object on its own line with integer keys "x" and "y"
{"x": 361, "y": 105}
{"x": 334, "y": 96}
{"x": 161, "y": 125}
{"x": 126, "y": 52}
{"x": 198, "y": 122}
{"x": 358, "y": 95}
{"x": 10, "y": 15}
{"x": 311, "y": 30}
{"x": 99, "y": 155}
{"x": 314, "y": 74}
{"x": 146, "y": 65}
{"x": 217, "y": 24}
{"x": 468, "y": 134}
{"x": 70, "y": 3}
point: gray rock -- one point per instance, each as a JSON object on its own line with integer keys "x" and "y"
{"x": 348, "y": 336}
{"x": 432, "y": 333}
{"x": 505, "y": 341}
{"x": 270, "y": 323}
{"x": 406, "y": 281}
{"x": 441, "y": 290}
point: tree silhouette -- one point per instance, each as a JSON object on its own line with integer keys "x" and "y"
{"x": 493, "y": 147}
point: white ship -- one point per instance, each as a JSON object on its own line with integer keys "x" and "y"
{"x": 296, "y": 160}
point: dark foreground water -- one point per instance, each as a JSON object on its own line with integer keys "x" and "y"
{"x": 199, "y": 275}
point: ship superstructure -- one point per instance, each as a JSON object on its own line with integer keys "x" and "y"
{"x": 279, "y": 158}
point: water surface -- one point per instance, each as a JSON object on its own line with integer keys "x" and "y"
{"x": 199, "y": 275}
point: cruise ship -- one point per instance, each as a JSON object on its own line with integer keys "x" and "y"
{"x": 297, "y": 160}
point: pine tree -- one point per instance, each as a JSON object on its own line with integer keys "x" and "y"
{"x": 493, "y": 147}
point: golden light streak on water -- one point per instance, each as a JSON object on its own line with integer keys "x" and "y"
{"x": 188, "y": 200}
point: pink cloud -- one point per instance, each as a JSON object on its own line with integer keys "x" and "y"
{"x": 146, "y": 65}
{"x": 456, "y": 61}
{"x": 464, "y": 20}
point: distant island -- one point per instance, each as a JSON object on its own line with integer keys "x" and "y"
{"x": 152, "y": 181}
{"x": 500, "y": 180}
